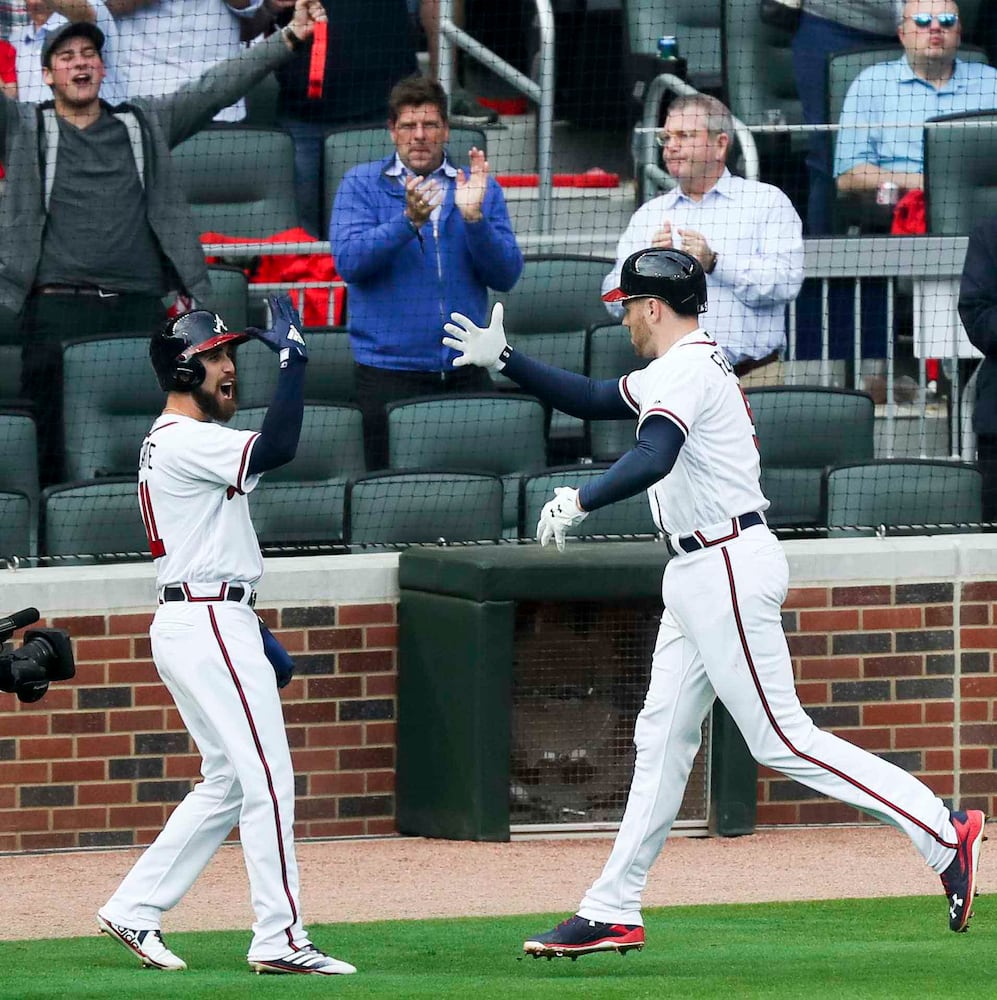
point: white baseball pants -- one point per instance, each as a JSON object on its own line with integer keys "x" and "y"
{"x": 721, "y": 637}
{"x": 211, "y": 658}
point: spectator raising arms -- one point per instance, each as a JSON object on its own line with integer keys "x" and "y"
{"x": 94, "y": 228}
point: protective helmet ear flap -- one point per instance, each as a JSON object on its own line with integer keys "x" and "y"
{"x": 175, "y": 347}
{"x": 188, "y": 373}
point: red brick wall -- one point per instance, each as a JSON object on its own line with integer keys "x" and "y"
{"x": 102, "y": 759}
{"x": 887, "y": 667}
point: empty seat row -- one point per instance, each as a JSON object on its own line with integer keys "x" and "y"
{"x": 100, "y": 518}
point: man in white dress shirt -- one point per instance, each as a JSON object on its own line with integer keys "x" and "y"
{"x": 165, "y": 43}
{"x": 747, "y": 236}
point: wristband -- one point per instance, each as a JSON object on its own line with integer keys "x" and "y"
{"x": 292, "y": 39}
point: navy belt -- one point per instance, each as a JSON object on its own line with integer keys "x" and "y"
{"x": 236, "y": 592}
{"x": 693, "y": 543}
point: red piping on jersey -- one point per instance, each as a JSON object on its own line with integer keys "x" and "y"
{"x": 785, "y": 739}
{"x": 663, "y": 412}
{"x": 156, "y": 547}
{"x": 266, "y": 770}
{"x": 243, "y": 465}
{"x": 162, "y": 427}
{"x": 628, "y": 396}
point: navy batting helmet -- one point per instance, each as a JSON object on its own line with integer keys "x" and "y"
{"x": 175, "y": 347}
{"x": 673, "y": 276}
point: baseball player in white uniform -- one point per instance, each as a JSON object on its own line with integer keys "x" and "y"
{"x": 195, "y": 477}
{"x": 723, "y": 587}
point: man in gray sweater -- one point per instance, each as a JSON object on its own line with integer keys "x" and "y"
{"x": 94, "y": 227}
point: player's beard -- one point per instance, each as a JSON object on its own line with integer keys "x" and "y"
{"x": 215, "y": 407}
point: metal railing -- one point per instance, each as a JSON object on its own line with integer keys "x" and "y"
{"x": 541, "y": 91}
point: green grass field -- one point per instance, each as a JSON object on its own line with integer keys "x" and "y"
{"x": 890, "y": 948}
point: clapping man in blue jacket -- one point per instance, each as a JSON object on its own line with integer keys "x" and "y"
{"x": 417, "y": 238}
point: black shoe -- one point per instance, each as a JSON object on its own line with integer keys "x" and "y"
{"x": 465, "y": 110}
{"x": 578, "y": 936}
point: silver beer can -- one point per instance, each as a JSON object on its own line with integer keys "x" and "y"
{"x": 887, "y": 193}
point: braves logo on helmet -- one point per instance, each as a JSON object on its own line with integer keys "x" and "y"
{"x": 175, "y": 347}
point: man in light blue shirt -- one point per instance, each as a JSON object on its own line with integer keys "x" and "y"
{"x": 746, "y": 234}
{"x": 882, "y": 137}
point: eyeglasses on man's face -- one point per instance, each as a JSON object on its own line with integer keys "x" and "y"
{"x": 945, "y": 21}
{"x": 664, "y": 138}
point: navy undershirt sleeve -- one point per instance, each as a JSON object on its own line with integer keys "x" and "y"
{"x": 651, "y": 459}
{"x": 590, "y": 399}
{"x": 278, "y": 440}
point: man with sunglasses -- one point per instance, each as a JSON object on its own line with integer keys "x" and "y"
{"x": 881, "y": 139}
{"x": 746, "y": 235}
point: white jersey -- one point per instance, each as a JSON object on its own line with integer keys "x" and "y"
{"x": 716, "y": 474}
{"x": 193, "y": 490}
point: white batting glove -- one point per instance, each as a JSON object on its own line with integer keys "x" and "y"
{"x": 558, "y": 515}
{"x": 477, "y": 345}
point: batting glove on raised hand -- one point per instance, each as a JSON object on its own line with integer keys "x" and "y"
{"x": 482, "y": 346}
{"x": 558, "y": 515}
{"x": 283, "y": 332}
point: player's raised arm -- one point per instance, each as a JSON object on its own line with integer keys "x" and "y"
{"x": 487, "y": 347}
{"x": 278, "y": 440}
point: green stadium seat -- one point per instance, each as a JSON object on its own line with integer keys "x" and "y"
{"x": 329, "y": 377}
{"x": 905, "y": 496}
{"x": 229, "y": 296}
{"x": 19, "y": 451}
{"x": 389, "y": 508}
{"x": 498, "y": 433}
{"x": 801, "y": 430}
{"x": 17, "y": 527}
{"x": 959, "y": 180}
{"x": 547, "y": 315}
{"x": 238, "y": 180}
{"x": 758, "y": 73}
{"x": 346, "y": 148}
{"x": 694, "y": 23}
{"x": 628, "y": 517}
{"x": 302, "y": 502}
{"x": 611, "y": 355}
{"x": 90, "y": 521}
{"x": 18, "y": 485}
{"x": 110, "y": 399}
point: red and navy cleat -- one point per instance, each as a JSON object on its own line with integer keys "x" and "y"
{"x": 579, "y": 936}
{"x": 959, "y": 879}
